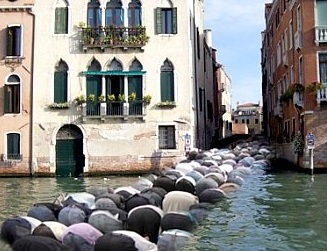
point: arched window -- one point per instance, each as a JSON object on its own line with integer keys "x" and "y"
{"x": 93, "y": 87}
{"x": 135, "y": 81}
{"x": 93, "y": 14}
{"x": 12, "y": 95}
{"x": 167, "y": 81}
{"x": 61, "y": 17}
{"x": 114, "y": 13}
{"x": 13, "y": 146}
{"x": 134, "y": 13}
{"x": 60, "y": 82}
{"x": 115, "y": 82}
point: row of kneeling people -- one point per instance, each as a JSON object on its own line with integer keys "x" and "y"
{"x": 158, "y": 212}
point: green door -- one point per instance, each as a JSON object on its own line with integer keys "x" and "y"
{"x": 69, "y": 157}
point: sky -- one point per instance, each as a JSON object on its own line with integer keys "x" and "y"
{"x": 236, "y": 27}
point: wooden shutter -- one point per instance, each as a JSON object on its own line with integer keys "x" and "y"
{"x": 164, "y": 78}
{"x": 6, "y": 99}
{"x": 158, "y": 21}
{"x": 174, "y": 20}
{"x": 10, "y": 41}
{"x": 60, "y": 87}
{"x": 135, "y": 85}
{"x": 61, "y": 20}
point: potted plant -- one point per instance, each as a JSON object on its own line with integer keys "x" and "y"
{"x": 166, "y": 104}
{"x": 63, "y": 105}
{"x": 80, "y": 99}
{"x": 297, "y": 87}
{"x": 111, "y": 97}
{"x": 132, "y": 96}
{"x": 121, "y": 97}
{"x": 101, "y": 98}
{"x": 315, "y": 86}
{"x": 147, "y": 98}
{"x": 286, "y": 96}
{"x": 91, "y": 98}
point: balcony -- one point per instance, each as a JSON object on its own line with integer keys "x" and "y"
{"x": 322, "y": 94}
{"x": 321, "y": 34}
{"x": 114, "y": 109}
{"x": 113, "y": 37}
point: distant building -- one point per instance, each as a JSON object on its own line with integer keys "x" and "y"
{"x": 224, "y": 101}
{"x": 294, "y": 78}
{"x": 247, "y": 119}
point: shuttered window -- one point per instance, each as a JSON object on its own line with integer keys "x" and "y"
{"x": 166, "y": 20}
{"x": 60, "y": 87}
{"x": 60, "y": 82}
{"x": 61, "y": 20}
{"x": 167, "y": 137}
{"x": 167, "y": 82}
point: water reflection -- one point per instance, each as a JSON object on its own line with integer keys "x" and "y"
{"x": 285, "y": 211}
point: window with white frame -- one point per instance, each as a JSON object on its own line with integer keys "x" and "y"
{"x": 323, "y": 67}
{"x": 167, "y": 137}
{"x": 166, "y": 20}
{"x": 12, "y": 94}
{"x": 61, "y": 18}
{"x": 13, "y": 146}
{"x": 14, "y": 40}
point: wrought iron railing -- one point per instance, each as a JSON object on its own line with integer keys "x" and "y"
{"x": 114, "y": 109}
{"x": 106, "y": 37}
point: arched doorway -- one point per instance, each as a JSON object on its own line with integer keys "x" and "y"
{"x": 69, "y": 151}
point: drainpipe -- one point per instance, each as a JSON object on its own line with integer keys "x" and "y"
{"x": 32, "y": 100}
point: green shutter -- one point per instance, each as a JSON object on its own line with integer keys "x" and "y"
{"x": 60, "y": 87}
{"x": 158, "y": 21}
{"x": 61, "y": 20}
{"x": 93, "y": 85}
{"x": 174, "y": 20}
{"x": 10, "y": 42}
{"x": 163, "y": 84}
{"x": 135, "y": 85}
{"x": 171, "y": 86}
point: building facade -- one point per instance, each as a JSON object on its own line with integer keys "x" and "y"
{"x": 294, "y": 53}
{"x": 225, "y": 101}
{"x": 118, "y": 86}
{"x": 247, "y": 119}
{"x": 16, "y": 67}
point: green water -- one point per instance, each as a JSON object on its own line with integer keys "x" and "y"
{"x": 284, "y": 211}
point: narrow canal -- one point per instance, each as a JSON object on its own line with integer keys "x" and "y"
{"x": 282, "y": 211}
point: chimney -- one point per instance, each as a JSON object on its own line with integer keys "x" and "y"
{"x": 208, "y": 37}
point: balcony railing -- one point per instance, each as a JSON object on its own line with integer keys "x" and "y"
{"x": 113, "y": 37}
{"x": 321, "y": 34}
{"x": 322, "y": 94}
{"x": 114, "y": 109}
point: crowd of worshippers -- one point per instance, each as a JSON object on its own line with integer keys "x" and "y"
{"x": 157, "y": 212}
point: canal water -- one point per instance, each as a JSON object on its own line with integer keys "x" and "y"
{"x": 281, "y": 211}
